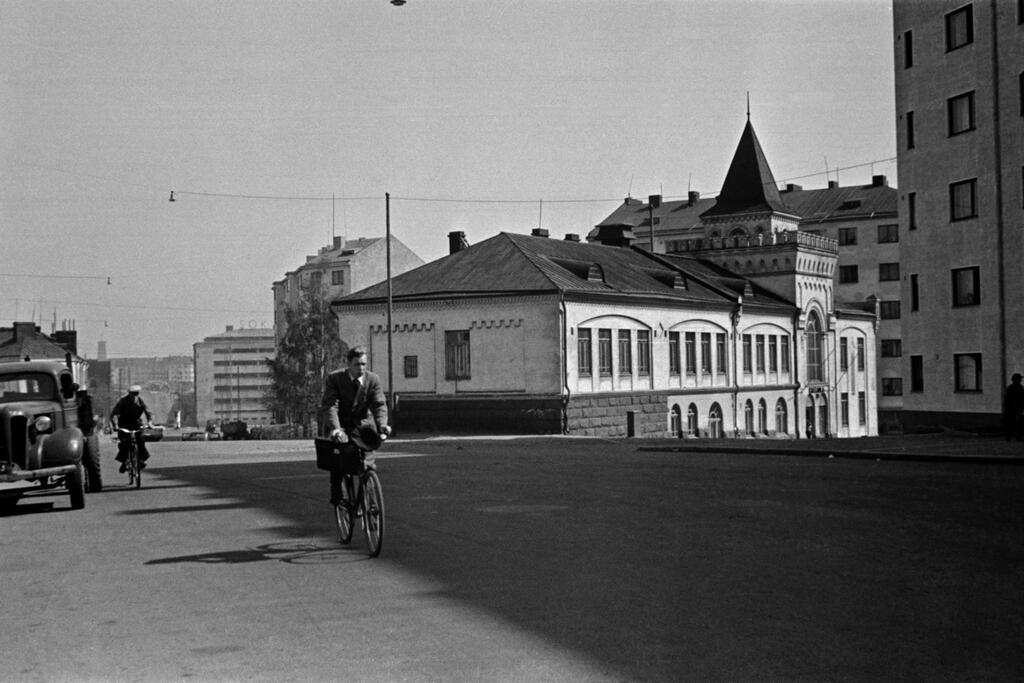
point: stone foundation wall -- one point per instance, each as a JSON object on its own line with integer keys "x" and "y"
{"x": 609, "y": 415}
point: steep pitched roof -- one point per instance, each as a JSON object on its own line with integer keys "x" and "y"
{"x": 838, "y": 203}
{"x": 25, "y": 340}
{"x": 508, "y": 263}
{"x": 749, "y": 185}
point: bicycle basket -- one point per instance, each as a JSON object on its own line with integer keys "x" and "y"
{"x": 342, "y": 458}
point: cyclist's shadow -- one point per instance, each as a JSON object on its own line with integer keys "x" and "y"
{"x": 292, "y": 552}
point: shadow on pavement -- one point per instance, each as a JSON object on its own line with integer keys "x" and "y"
{"x": 664, "y": 566}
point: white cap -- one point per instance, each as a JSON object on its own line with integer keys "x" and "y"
{"x": 134, "y": 389}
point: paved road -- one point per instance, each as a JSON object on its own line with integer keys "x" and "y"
{"x": 522, "y": 560}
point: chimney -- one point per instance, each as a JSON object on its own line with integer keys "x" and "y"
{"x": 101, "y": 350}
{"x": 616, "y": 235}
{"x": 691, "y": 197}
{"x": 24, "y": 330}
{"x": 68, "y": 339}
{"x": 792, "y": 187}
{"x": 337, "y": 243}
{"x": 457, "y": 241}
{"x": 833, "y": 184}
{"x": 540, "y": 232}
{"x": 230, "y": 328}
{"x": 879, "y": 181}
{"x": 572, "y": 237}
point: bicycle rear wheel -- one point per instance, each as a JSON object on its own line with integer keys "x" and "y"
{"x": 373, "y": 512}
{"x": 343, "y": 516}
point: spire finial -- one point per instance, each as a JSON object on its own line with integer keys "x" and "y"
{"x": 748, "y": 105}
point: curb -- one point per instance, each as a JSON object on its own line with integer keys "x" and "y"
{"x": 853, "y": 455}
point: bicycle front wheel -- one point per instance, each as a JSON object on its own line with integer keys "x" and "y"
{"x": 136, "y": 469}
{"x": 373, "y": 512}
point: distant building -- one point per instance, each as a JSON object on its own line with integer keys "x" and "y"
{"x": 959, "y": 74}
{"x": 530, "y": 334}
{"x": 25, "y": 341}
{"x": 339, "y": 269}
{"x": 232, "y": 377}
{"x": 862, "y": 219}
{"x": 164, "y": 381}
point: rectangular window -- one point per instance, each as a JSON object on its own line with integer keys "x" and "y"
{"x": 912, "y": 210}
{"x": 844, "y": 408}
{"x": 908, "y": 49}
{"x": 966, "y": 286}
{"x": 759, "y": 355}
{"x": 915, "y": 299}
{"x": 889, "y": 310}
{"x": 784, "y": 353}
{"x": 917, "y": 374}
{"x": 960, "y": 113}
{"x": 847, "y": 236}
{"x": 862, "y": 407}
{"x": 891, "y": 348}
{"x": 773, "y": 354}
{"x": 456, "y": 355}
{"x": 888, "y": 233}
{"x": 643, "y": 352}
{"x": 748, "y": 354}
{"x": 705, "y": 353}
{"x": 892, "y": 386}
{"x": 960, "y": 28}
{"x": 673, "y": 353}
{"x": 337, "y": 277}
{"x": 1020, "y": 89}
{"x": 625, "y": 352}
{"x": 585, "y": 362}
{"x": 411, "y": 366}
{"x": 888, "y": 272}
{"x": 604, "y": 352}
{"x": 860, "y": 355}
{"x": 691, "y": 353}
{"x": 967, "y": 367}
{"x": 316, "y": 280}
{"x": 844, "y": 354}
{"x": 963, "y": 200}
{"x": 909, "y": 119}
{"x": 722, "y": 353}
{"x": 847, "y": 274}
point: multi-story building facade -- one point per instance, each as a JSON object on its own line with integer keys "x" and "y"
{"x": 959, "y": 75}
{"x": 339, "y": 269}
{"x": 860, "y": 220}
{"x": 232, "y": 376}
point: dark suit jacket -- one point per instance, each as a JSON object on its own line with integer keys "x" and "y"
{"x": 346, "y": 406}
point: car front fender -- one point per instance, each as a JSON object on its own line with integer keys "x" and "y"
{"x": 63, "y": 447}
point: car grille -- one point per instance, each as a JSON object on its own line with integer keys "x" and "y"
{"x": 13, "y": 439}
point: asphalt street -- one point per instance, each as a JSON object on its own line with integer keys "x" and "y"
{"x": 549, "y": 559}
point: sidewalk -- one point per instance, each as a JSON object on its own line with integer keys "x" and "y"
{"x": 947, "y": 447}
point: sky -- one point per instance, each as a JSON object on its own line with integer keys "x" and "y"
{"x": 279, "y": 125}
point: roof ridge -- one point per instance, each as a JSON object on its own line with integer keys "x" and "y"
{"x": 530, "y": 258}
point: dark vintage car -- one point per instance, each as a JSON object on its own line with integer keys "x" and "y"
{"x": 42, "y": 443}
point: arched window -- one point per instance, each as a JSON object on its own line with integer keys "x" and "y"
{"x": 781, "y": 421}
{"x": 814, "y": 350}
{"x": 748, "y": 417}
{"x": 691, "y": 420}
{"x": 676, "y": 422}
{"x": 715, "y": 421}
{"x": 762, "y": 417}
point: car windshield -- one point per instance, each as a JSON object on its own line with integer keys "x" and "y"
{"x": 26, "y": 386}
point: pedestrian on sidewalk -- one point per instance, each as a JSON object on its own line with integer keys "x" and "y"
{"x": 1013, "y": 409}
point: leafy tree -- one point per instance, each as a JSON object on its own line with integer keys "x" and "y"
{"x": 308, "y": 350}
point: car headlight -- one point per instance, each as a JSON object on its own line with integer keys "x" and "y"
{"x": 43, "y": 424}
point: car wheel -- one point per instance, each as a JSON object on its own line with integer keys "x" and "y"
{"x": 91, "y": 461}
{"x": 8, "y": 502}
{"x": 76, "y": 487}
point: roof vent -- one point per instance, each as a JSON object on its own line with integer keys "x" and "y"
{"x": 540, "y": 232}
{"x": 849, "y": 204}
{"x": 792, "y": 187}
{"x": 691, "y": 197}
{"x": 457, "y": 241}
{"x": 833, "y": 184}
{"x": 879, "y": 181}
{"x": 572, "y": 237}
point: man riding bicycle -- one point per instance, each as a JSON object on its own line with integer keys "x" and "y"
{"x": 128, "y": 413}
{"x": 353, "y": 397}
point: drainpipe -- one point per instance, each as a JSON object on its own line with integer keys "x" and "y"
{"x": 563, "y": 361}
{"x": 1000, "y": 227}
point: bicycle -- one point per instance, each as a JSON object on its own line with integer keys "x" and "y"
{"x": 132, "y": 463}
{"x": 362, "y": 497}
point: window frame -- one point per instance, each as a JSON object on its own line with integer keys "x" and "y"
{"x": 337, "y": 278}
{"x": 956, "y": 214}
{"x": 908, "y": 48}
{"x": 892, "y": 305}
{"x": 884, "y": 236}
{"x": 457, "y": 355}
{"x": 624, "y": 339}
{"x": 892, "y": 386}
{"x": 916, "y": 374}
{"x": 674, "y": 365}
{"x": 890, "y": 348}
{"x": 908, "y": 120}
{"x": 975, "y": 287}
{"x": 691, "y": 353}
{"x": 748, "y": 354}
{"x": 967, "y": 11}
{"x": 721, "y": 353}
{"x": 410, "y": 367}
{"x": 912, "y": 211}
{"x": 604, "y": 352}
{"x": 958, "y": 376}
{"x": 847, "y": 236}
{"x": 643, "y": 353}
{"x": 844, "y": 353}
{"x": 849, "y": 275}
{"x": 584, "y": 352}
{"x": 952, "y": 117}
{"x": 889, "y": 272}
{"x": 915, "y": 292}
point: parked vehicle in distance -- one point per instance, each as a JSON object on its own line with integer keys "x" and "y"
{"x": 236, "y": 429}
{"x": 41, "y": 444}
